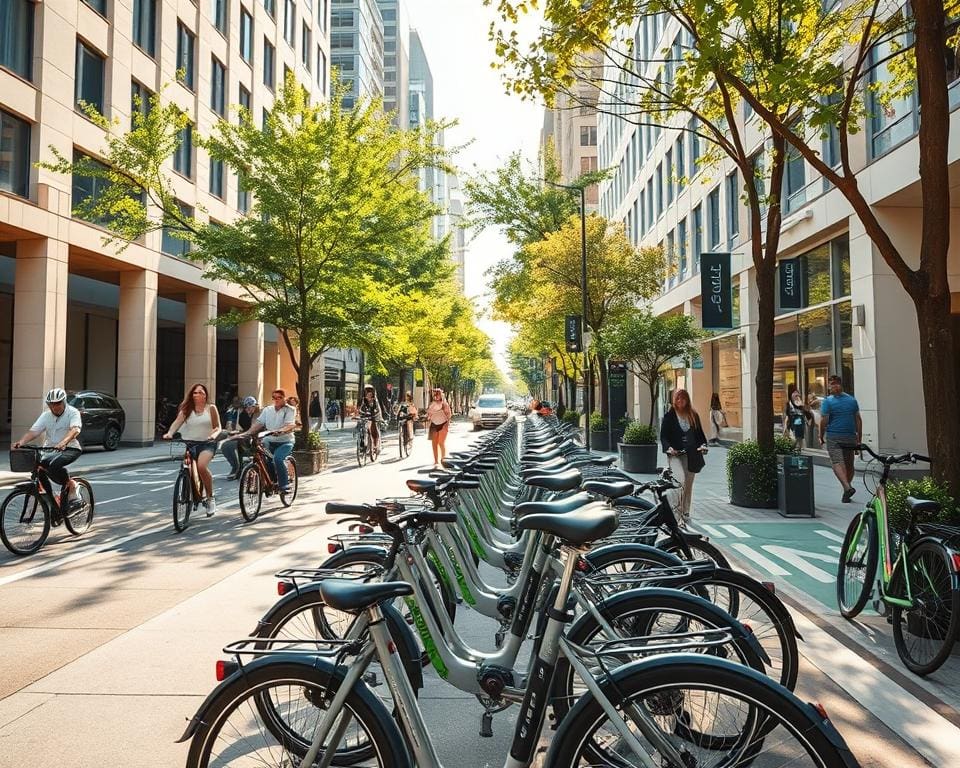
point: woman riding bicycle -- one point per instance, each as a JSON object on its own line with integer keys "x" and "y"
{"x": 198, "y": 422}
{"x": 407, "y": 413}
{"x": 370, "y": 407}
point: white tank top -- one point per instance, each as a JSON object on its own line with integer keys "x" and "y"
{"x": 198, "y": 426}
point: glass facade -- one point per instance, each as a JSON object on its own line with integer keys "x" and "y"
{"x": 727, "y": 377}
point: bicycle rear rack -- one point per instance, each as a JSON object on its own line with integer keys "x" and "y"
{"x": 319, "y": 574}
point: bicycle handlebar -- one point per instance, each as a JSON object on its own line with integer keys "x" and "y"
{"x": 903, "y": 458}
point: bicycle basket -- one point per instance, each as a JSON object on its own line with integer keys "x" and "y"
{"x": 23, "y": 459}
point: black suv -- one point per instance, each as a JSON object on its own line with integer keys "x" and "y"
{"x": 103, "y": 418}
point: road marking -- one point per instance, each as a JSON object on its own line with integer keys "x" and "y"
{"x": 736, "y": 531}
{"x": 756, "y": 558}
{"x": 715, "y": 532}
{"x": 798, "y": 558}
{"x": 830, "y": 535}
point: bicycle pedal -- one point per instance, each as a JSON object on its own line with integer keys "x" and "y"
{"x": 486, "y": 725}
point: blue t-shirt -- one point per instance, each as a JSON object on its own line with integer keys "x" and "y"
{"x": 841, "y": 409}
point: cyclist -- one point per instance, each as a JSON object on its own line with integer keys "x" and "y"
{"x": 407, "y": 414}
{"x": 370, "y": 406}
{"x": 59, "y": 424}
{"x": 281, "y": 420}
{"x": 198, "y": 421}
{"x": 235, "y": 450}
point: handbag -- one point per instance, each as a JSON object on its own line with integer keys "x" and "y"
{"x": 695, "y": 460}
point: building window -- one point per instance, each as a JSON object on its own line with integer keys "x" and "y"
{"x": 321, "y": 69}
{"x": 668, "y": 178}
{"x": 100, "y": 6}
{"x": 16, "y": 40}
{"x": 286, "y": 74}
{"x": 186, "y": 43}
{"x": 145, "y": 25}
{"x": 290, "y": 22}
{"x": 650, "y": 217}
{"x": 271, "y": 8}
{"x": 243, "y": 195}
{"x": 831, "y": 138}
{"x": 588, "y": 135}
{"x": 713, "y": 211}
{"x": 218, "y": 12}
{"x": 733, "y": 207}
{"x": 305, "y": 47}
{"x": 694, "y": 147}
{"x": 342, "y": 19}
{"x": 88, "y": 187}
{"x": 659, "y": 189}
{"x": 170, "y": 243}
{"x": 322, "y": 7}
{"x": 794, "y": 181}
{"x": 244, "y": 99}
{"x": 696, "y": 246}
{"x": 682, "y": 250}
{"x": 183, "y": 155}
{"x": 139, "y": 101}
{"x": 216, "y": 178}
{"x": 265, "y": 114}
{"x": 89, "y": 78}
{"x": 14, "y": 154}
{"x": 269, "y": 65}
{"x": 218, "y": 87}
{"x": 680, "y": 165}
{"x": 671, "y": 261}
{"x": 893, "y": 123}
{"x": 246, "y": 35}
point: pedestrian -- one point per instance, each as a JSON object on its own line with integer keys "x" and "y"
{"x": 439, "y": 415}
{"x": 316, "y": 411}
{"x": 796, "y": 416}
{"x": 407, "y": 415}
{"x": 682, "y": 439}
{"x": 841, "y": 428}
{"x": 718, "y": 419}
{"x": 343, "y": 412}
{"x": 230, "y": 417}
{"x": 198, "y": 422}
{"x": 235, "y": 450}
{"x": 294, "y": 402}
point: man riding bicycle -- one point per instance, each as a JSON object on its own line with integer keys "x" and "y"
{"x": 281, "y": 420}
{"x": 59, "y": 424}
{"x": 370, "y": 407}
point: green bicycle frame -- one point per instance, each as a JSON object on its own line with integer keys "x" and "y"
{"x": 878, "y": 509}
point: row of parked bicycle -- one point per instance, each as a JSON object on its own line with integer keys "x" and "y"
{"x": 646, "y": 646}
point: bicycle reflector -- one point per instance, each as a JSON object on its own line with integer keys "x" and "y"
{"x": 283, "y": 587}
{"x": 956, "y": 562}
{"x": 333, "y": 547}
{"x": 770, "y": 587}
{"x": 821, "y": 710}
{"x": 225, "y": 669}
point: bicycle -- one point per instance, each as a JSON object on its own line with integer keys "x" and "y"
{"x": 188, "y": 490}
{"x": 30, "y": 510}
{"x": 366, "y": 450}
{"x": 257, "y": 479}
{"x": 404, "y": 434}
{"x": 918, "y": 584}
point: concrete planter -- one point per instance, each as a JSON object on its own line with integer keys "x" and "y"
{"x": 742, "y": 475}
{"x": 599, "y": 441}
{"x": 310, "y": 462}
{"x": 638, "y": 459}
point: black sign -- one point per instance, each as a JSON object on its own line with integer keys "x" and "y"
{"x": 716, "y": 291}
{"x": 617, "y": 390}
{"x": 572, "y": 334}
{"x": 793, "y": 288}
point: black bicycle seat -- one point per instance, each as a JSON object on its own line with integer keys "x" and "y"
{"x": 923, "y": 506}
{"x": 555, "y": 507}
{"x": 578, "y": 527}
{"x": 612, "y": 489}
{"x": 559, "y": 481}
{"x": 345, "y": 595}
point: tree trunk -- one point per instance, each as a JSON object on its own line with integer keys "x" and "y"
{"x": 303, "y": 390}
{"x": 604, "y": 395}
{"x": 766, "y": 285}
{"x": 653, "y": 384}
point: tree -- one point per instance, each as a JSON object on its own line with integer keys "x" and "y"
{"x": 648, "y": 342}
{"x": 337, "y": 213}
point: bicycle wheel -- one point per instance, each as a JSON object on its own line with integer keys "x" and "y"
{"x": 78, "y": 520}
{"x": 251, "y": 493}
{"x": 705, "y": 550}
{"x": 361, "y": 450}
{"x": 182, "y": 501}
{"x": 715, "y": 714}
{"x": 268, "y": 715}
{"x": 857, "y": 567}
{"x": 924, "y": 634}
{"x": 293, "y": 482}
{"x": 24, "y": 522}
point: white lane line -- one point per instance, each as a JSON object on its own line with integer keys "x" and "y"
{"x": 98, "y": 504}
{"x": 830, "y": 535}
{"x": 736, "y": 531}
{"x": 832, "y": 548}
{"x": 715, "y": 532}
{"x": 799, "y": 558}
{"x": 755, "y": 558}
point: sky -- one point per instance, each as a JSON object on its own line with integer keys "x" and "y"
{"x": 454, "y": 36}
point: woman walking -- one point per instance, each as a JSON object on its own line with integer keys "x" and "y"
{"x": 718, "y": 419}
{"x": 682, "y": 438}
{"x": 199, "y": 421}
{"x": 439, "y": 415}
{"x": 796, "y": 416}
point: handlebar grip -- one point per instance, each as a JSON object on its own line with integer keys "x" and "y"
{"x": 353, "y": 510}
{"x": 918, "y": 457}
{"x": 437, "y": 517}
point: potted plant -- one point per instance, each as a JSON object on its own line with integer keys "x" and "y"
{"x": 571, "y": 417}
{"x": 599, "y": 438}
{"x": 312, "y": 457}
{"x": 638, "y": 450}
{"x": 616, "y": 433}
{"x": 752, "y": 473}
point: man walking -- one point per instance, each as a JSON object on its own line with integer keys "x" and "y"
{"x": 840, "y": 425}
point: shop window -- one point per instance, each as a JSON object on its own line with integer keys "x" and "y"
{"x": 840, "y": 258}
{"x": 727, "y": 378}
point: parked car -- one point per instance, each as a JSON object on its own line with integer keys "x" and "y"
{"x": 103, "y": 418}
{"x": 489, "y": 411}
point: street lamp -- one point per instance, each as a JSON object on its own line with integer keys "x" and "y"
{"x": 583, "y": 299}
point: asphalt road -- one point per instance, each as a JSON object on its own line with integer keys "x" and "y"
{"x": 109, "y": 641}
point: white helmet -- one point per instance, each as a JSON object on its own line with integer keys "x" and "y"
{"x": 55, "y": 395}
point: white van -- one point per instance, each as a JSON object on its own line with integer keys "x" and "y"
{"x": 490, "y": 410}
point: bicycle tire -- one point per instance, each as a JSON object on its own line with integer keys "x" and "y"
{"x": 251, "y": 493}
{"x": 361, "y": 450}
{"x": 78, "y": 521}
{"x": 402, "y": 440}
{"x": 935, "y": 615}
{"x": 852, "y": 595}
{"x": 29, "y": 540}
{"x": 316, "y": 681}
{"x": 293, "y": 482}
{"x": 650, "y": 683}
{"x": 182, "y": 501}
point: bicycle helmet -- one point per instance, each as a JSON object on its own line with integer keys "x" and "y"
{"x": 55, "y": 395}
{"x": 249, "y": 402}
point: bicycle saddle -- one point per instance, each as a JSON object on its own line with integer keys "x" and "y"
{"x": 556, "y": 507}
{"x": 548, "y": 468}
{"x": 560, "y": 481}
{"x": 350, "y": 595}
{"x": 612, "y": 489}
{"x": 634, "y": 502}
{"x": 578, "y": 527}
{"x": 923, "y": 506}
{"x": 421, "y": 486}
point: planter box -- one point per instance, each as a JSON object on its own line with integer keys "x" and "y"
{"x": 310, "y": 462}
{"x": 742, "y": 476}
{"x": 599, "y": 441}
{"x": 638, "y": 459}
{"x": 616, "y": 437}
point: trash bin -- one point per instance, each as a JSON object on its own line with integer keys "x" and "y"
{"x": 795, "y": 481}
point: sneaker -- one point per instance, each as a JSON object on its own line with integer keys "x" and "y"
{"x": 211, "y": 505}
{"x": 74, "y": 504}
{"x": 848, "y": 494}
{"x": 283, "y": 491}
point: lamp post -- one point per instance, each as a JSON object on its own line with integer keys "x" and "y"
{"x": 588, "y": 398}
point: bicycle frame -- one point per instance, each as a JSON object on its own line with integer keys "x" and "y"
{"x": 877, "y": 508}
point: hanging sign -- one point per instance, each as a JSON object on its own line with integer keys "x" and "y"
{"x": 716, "y": 291}
{"x": 793, "y": 294}
{"x": 572, "y": 333}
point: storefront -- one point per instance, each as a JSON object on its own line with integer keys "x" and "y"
{"x": 727, "y": 378}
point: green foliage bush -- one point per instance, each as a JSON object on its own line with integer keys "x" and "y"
{"x": 598, "y": 422}
{"x": 782, "y": 445}
{"x": 314, "y": 443}
{"x": 922, "y": 488}
{"x": 638, "y": 433}
{"x": 571, "y": 417}
{"x": 763, "y": 463}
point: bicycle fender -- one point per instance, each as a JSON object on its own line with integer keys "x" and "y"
{"x": 952, "y": 551}
{"x": 366, "y": 549}
{"x": 631, "y": 547}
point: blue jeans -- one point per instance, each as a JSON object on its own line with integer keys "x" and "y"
{"x": 280, "y": 453}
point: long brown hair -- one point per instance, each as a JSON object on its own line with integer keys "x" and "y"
{"x": 691, "y": 415}
{"x": 187, "y": 405}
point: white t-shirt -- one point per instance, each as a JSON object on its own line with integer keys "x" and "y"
{"x": 198, "y": 426}
{"x": 55, "y": 428}
{"x": 272, "y": 419}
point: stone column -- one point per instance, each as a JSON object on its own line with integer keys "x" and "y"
{"x": 39, "y": 327}
{"x": 137, "y": 355}
{"x": 250, "y": 359}
{"x": 271, "y": 370}
{"x": 200, "y": 341}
